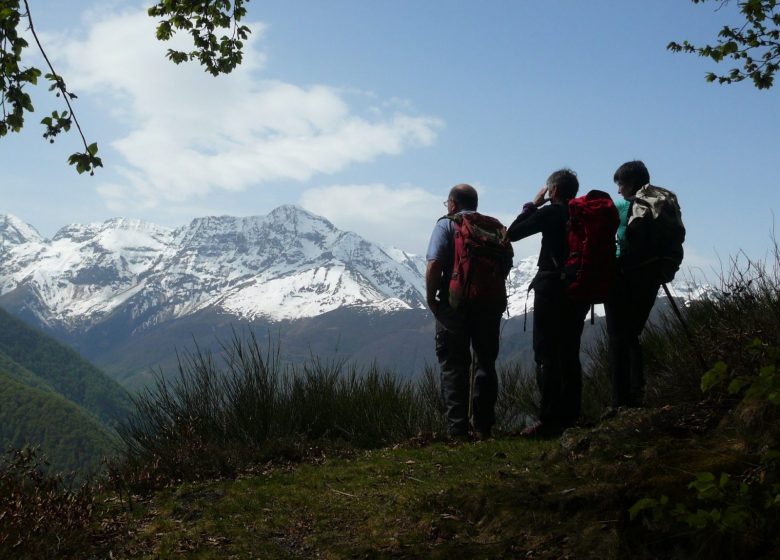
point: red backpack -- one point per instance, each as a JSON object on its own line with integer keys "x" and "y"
{"x": 590, "y": 266}
{"x": 483, "y": 258}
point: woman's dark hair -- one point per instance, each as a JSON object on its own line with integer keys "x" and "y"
{"x": 566, "y": 181}
{"x": 465, "y": 196}
{"x": 632, "y": 174}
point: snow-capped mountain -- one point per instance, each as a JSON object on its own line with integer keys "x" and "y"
{"x": 286, "y": 265}
{"x": 84, "y": 272}
{"x": 127, "y": 293}
{"x": 289, "y": 264}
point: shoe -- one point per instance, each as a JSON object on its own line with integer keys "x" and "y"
{"x": 534, "y": 430}
{"x": 458, "y": 437}
{"x": 483, "y": 435}
{"x": 611, "y": 412}
{"x": 541, "y": 430}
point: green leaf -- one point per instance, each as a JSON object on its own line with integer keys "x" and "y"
{"x": 698, "y": 520}
{"x": 714, "y": 376}
{"x": 705, "y": 477}
{"x": 737, "y": 385}
{"x": 640, "y": 506}
{"x": 92, "y": 149}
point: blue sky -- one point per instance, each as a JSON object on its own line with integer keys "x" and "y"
{"x": 368, "y": 111}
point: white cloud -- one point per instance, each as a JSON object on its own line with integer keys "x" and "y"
{"x": 192, "y": 134}
{"x": 402, "y": 217}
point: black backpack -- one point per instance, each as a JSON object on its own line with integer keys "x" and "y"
{"x": 655, "y": 232}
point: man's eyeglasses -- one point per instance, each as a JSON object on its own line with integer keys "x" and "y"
{"x": 447, "y": 202}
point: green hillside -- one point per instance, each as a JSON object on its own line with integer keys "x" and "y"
{"x": 52, "y": 398}
{"x": 69, "y": 437}
{"x": 60, "y": 369}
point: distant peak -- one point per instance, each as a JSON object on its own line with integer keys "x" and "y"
{"x": 291, "y": 210}
{"x": 16, "y": 231}
{"x": 85, "y": 231}
{"x": 288, "y": 212}
{"x": 133, "y": 224}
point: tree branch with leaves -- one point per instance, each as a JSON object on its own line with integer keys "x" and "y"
{"x": 203, "y": 20}
{"x": 753, "y": 44}
{"x": 218, "y": 42}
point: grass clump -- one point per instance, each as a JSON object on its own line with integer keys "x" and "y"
{"x": 223, "y": 414}
{"x": 745, "y": 306}
{"x": 217, "y": 418}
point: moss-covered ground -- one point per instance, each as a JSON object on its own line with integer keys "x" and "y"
{"x": 503, "y": 498}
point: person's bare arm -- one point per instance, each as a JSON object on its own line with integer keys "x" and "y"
{"x": 432, "y": 282}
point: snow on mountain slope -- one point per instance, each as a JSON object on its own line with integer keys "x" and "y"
{"x": 519, "y": 280}
{"x": 286, "y": 265}
{"x": 85, "y": 271}
{"x": 14, "y": 231}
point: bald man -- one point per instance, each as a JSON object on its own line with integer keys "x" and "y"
{"x": 460, "y": 330}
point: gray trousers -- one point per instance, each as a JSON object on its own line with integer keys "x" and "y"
{"x": 457, "y": 333}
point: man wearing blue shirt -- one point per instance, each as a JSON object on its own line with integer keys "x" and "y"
{"x": 459, "y": 330}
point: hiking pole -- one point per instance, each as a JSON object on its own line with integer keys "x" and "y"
{"x": 472, "y": 374}
{"x": 685, "y": 327}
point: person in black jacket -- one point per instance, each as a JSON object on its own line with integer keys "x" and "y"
{"x": 633, "y": 296}
{"x": 557, "y": 320}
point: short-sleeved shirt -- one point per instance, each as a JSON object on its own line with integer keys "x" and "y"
{"x": 441, "y": 246}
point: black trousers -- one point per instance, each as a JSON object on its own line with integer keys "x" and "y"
{"x": 628, "y": 309}
{"x": 458, "y": 331}
{"x": 558, "y": 324}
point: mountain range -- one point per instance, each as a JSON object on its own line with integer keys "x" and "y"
{"x": 127, "y": 293}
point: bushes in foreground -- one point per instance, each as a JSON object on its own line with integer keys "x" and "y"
{"x": 40, "y": 515}
{"x": 746, "y": 306}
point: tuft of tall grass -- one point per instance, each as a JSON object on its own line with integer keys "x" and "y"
{"x": 745, "y": 306}
{"x": 518, "y": 397}
{"x": 222, "y": 414}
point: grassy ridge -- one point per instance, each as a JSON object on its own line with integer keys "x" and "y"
{"x": 504, "y": 498}
{"x": 639, "y": 485}
{"x": 256, "y": 459}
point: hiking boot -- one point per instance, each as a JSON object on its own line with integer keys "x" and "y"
{"x": 534, "y": 430}
{"x": 542, "y": 430}
{"x": 458, "y": 437}
{"x": 610, "y": 412}
{"x": 483, "y": 435}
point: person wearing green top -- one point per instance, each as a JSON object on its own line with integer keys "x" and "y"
{"x": 632, "y": 299}
{"x": 622, "y": 208}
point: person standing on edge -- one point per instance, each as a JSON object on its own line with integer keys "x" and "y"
{"x": 558, "y": 320}
{"x": 465, "y": 321}
{"x": 649, "y": 253}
